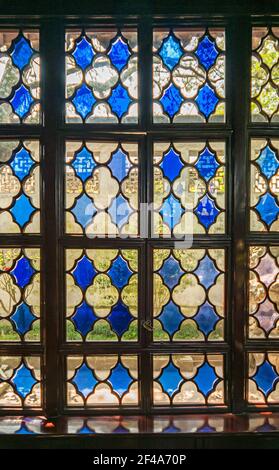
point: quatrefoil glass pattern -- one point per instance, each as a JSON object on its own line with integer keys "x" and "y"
{"x": 20, "y": 294}
{"x": 263, "y": 382}
{"x": 102, "y": 295}
{"x": 102, "y": 381}
{"x": 188, "y": 75}
{"x": 19, "y": 186}
{"x": 19, "y": 77}
{"x": 264, "y": 292}
{"x": 188, "y": 294}
{"x": 188, "y": 188}
{"x": 101, "y": 77}
{"x": 264, "y": 185}
{"x": 265, "y": 75}
{"x": 20, "y": 385}
{"x": 101, "y": 182}
{"x": 188, "y": 379}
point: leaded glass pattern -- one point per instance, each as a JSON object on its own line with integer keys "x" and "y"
{"x": 19, "y": 77}
{"x": 189, "y": 188}
{"x": 188, "y": 294}
{"x": 19, "y": 294}
{"x": 188, "y": 379}
{"x": 264, "y": 185}
{"x": 20, "y": 382}
{"x": 102, "y": 294}
{"x": 20, "y": 186}
{"x": 265, "y": 75}
{"x": 109, "y": 380}
{"x": 263, "y": 382}
{"x": 101, "y": 76}
{"x": 188, "y": 75}
{"x": 101, "y": 188}
{"x": 102, "y": 425}
{"x": 264, "y": 292}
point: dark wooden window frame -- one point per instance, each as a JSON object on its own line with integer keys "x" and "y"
{"x": 237, "y": 132}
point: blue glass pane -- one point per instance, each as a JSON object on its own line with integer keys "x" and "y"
{"x": 24, "y": 430}
{"x": 170, "y": 51}
{"x": 266, "y": 377}
{"x": 120, "y": 164}
{"x": 83, "y": 53}
{"x": 21, "y": 52}
{"x": 171, "y": 211}
{"x": 23, "y": 272}
{"x": 171, "y": 100}
{"x": 84, "y": 318}
{"x": 171, "y": 428}
{"x": 120, "y": 430}
{"x": 267, "y": 208}
{"x": 120, "y": 379}
{"x": 207, "y": 164}
{"x": 22, "y": 210}
{"x": 171, "y": 272}
{"x": 84, "y": 210}
{"x": 170, "y": 379}
{"x": 120, "y": 318}
{"x": 120, "y": 210}
{"x": 23, "y": 381}
{"x": 206, "y": 318}
{"x": 171, "y": 164}
{"x": 206, "y": 379}
{"x": 83, "y": 101}
{"x": 207, "y": 272}
{"x": 23, "y": 318}
{"x": 119, "y": 101}
{"x": 21, "y": 101}
{"x": 120, "y": 272}
{"x": 268, "y": 162}
{"x": 83, "y": 163}
{"x": 85, "y": 430}
{"x": 22, "y": 163}
{"x": 206, "y": 52}
{"x": 84, "y": 272}
{"x": 171, "y": 318}
{"x": 206, "y": 211}
{"x": 119, "y": 53}
{"x": 206, "y": 100}
{"x": 84, "y": 380}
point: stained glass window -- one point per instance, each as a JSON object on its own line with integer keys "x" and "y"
{"x": 102, "y": 295}
{"x": 188, "y": 297}
{"x": 101, "y": 188}
{"x": 107, "y": 380}
{"x": 265, "y": 75}
{"x": 19, "y": 77}
{"x": 188, "y": 379}
{"x": 189, "y": 188}
{"x": 20, "y": 382}
{"x": 188, "y": 75}
{"x": 101, "y": 76}
{"x": 263, "y": 384}
{"x": 20, "y": 186}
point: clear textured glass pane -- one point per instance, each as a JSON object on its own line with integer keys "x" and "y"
{"x": 264, "y": 185}
{"x": 188, "y": 75}
{"x": 20, "y": 382}
{"x": 189, "y": 188}
{"x": 102, "y": 76}
{"x": 102, "y": 381}
{"x": 19, "y": 294}
{"x": 265, "y": 75}
{"x": 263, "y": 382}
{"x": 102, "y": 295}
{"x": 19, "y": 77}
{"x": 102, "y": 425}
{"x": 188, "y": 379}
{"x": 188, "y": 294}
{"x": 264, "y": 292}
{"x": 20, "y": 186}
{"x": 101, "y": 188}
